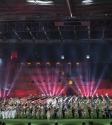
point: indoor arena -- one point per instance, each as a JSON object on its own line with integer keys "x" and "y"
{"x": 56, "y": 62}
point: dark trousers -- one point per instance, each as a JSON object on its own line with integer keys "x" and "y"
{"x": 110, "y": 115}
{"x": 107, "y": 115}
{"x": 97, "y": 114}
{"x": 73, "y": 114}
{"x": 80, "y": 115}
{"x": 63, "y": 113}
{"x": 103, "y": 116}
{"x": 55, "y": 115}
{"x": 89, "y": 114}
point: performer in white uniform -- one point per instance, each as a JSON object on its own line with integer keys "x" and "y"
{"x": 3, "y": 111}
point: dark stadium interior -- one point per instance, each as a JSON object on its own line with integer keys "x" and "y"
{"x": 53, "y": 53}
{"x": 40, "y": 32}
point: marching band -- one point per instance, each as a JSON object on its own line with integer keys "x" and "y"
{"x": 56, "y": 107}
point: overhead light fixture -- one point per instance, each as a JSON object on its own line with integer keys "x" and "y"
{"x": 70, "y": 82}
{"x": 62, "y": 57}
{"x": 40, "y": 2}
{"x": 87, "y": 1}
{"x": 88, "y": 56}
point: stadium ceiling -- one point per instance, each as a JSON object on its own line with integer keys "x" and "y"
{"x": 55, "y": 20}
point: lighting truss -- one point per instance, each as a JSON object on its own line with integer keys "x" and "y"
{"x": 31, "y": 33}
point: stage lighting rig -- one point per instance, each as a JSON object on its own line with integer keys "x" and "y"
{"x": 60, "y": 33}
{"x": 43, "y": 29}
{"x": 89, "y": 33}
{"x": 31, "y": 34}
{"x": 75, "y": 33}
{"x": 17, "y": 35}
{"x": 4, "y": 38}
{"x": 41, "y": 2}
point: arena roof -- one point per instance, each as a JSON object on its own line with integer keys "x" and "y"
{"x": 55, "y": 20}
{"x": 60, "y": 9}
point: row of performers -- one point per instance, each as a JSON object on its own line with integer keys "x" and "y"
{"x": 48, "y": 111}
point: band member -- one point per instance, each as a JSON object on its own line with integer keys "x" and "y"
{"x": 52, "y": 111}
{"x": 21, "y": 111}
{"x": 60, "y": 113}
{"x": 55, "y": 112}
{"x": 89, "y": 111}
{"x": 3, "y": 111}
{"x": 92, "y": 112}
{"x": 63, "y": 111}
{"x": 103, "y": 113}
{"x": 110, "y": 112}
{"x": 37, "y": 112}
{"x": 73, "y": 111}
{"x": 48, "y": 115}
{"x": 45, "y": 110}
{"x": 107, "y": 112}
{"x": 6, "y": 111}
{"x": 28, "y": 112}
{"x": 76, "y": 112}
{"x": 66, "y": 112}
{"x": 83, "y": 111}
{"x": 80, "y": 112}
{"x": 14, "y": 111}
{"x": 41, "y": 112}
{"x": 18, "y": 111}
{"x": 33, "y": 112}
{"x": 97, "y": 111}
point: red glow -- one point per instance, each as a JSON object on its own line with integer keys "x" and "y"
{"x": 14, "y": 55}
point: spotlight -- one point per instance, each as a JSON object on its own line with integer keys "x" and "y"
{"x": 38, "y": 64}
{"x": 62, "y": 57}
{"x": 70, "y": 82}
{"x": 88, "y": 56}
{"x": 29, "y": 64}
{"x": 48, "y": 64}
{"x": 77, "y": 63}
{"x": 58, "y": 64}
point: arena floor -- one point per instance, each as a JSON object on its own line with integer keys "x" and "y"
{"x": 60, "y": 121}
